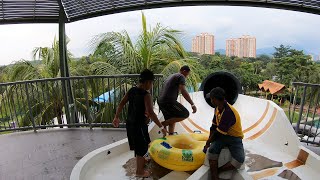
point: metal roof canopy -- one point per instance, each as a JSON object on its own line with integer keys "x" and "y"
{"x": 47, "y": 11}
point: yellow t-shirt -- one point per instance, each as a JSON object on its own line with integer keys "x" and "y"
{"x": 228, "y": 121}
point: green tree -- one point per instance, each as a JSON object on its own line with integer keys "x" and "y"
{"x": 158, "y": 49}
{"x": 231, "y": 64}
{"x": 292, "y": 65}
{"x": 247, "y": 76}
{"x": 205, "y": 59}
{"x": 264, "y": 58}
{"x": 258, "y": 67}
{"x": 216, "y": 64}
{"x": 43, "y": 108}
{"x": 281, "y": 51}
{"x": 270, "y": 71}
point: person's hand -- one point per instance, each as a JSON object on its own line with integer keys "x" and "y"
{"x": 205, "y": 148}
{"x": 116, "y": 122}
{"x": 146, "y": 114}
{"x": 164, "y": 132}
{"x": 194, "y": 108}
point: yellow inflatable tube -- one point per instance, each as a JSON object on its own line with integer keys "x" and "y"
{"x": 179, "y": 152}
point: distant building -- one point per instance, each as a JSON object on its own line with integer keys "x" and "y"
{"x": 245, "y": 46}
{"x": 233, "y": 47}
{"x": 203, "y": 44}
{"x": 272, "y": 87}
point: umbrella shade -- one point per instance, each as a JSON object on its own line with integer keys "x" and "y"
{"x": 105, "y": 98}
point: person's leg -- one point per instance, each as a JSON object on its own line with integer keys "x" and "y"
{"x": 227, "y": 167}
{"x": 171, "y": 128}
{"x": 235, "y": 147}
{"x": 173, "y": 113}
{"x": 142, "y": 141}
{"x": 214, "y": 169}
{"x": 213, "y": 156}
{"x": 171, "y": 123}
{"x": 140, "y": 166}
{"x": 130, "y": 135}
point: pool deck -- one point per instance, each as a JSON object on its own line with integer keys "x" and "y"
{"x": 50, "y": 154}
{"x": 313, "y": 148}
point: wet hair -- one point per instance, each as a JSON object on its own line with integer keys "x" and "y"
{"x": 146, "y": 75}
{"x": 218, "y": 93}
{"x": 185, "y": 68}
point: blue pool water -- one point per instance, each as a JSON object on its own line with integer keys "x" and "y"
{"x": 316, "y": 123}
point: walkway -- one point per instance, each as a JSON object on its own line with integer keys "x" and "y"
{"x": 49, "y": 154}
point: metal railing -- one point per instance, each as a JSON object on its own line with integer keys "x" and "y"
{"x": 87, "y": 101}
{"x": 304, "y": 111}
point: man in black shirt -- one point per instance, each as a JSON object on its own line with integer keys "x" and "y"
{"x": 140, "y": 102}
{"x": 172, "y": 110}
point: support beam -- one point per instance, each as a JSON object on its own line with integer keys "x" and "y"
{"x": 63, "y": 61}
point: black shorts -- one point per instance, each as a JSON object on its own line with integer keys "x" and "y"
{"x": 173, "y": 110}
{"x": 138, "y": 138}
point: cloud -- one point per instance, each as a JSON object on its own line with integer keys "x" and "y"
{"x": 271, "y": 27}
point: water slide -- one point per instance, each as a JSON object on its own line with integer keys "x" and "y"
{"x": 273, "y": 150}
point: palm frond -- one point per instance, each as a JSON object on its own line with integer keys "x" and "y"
{"x": 124, "y": 54}
{"x": 154, "y": 49}
{"x": 23, "y": 70}
{"x": 103, "y": 68}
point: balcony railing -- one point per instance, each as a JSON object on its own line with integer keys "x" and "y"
{"x": 304, "y": 111}
{"x": 88, "y": 101}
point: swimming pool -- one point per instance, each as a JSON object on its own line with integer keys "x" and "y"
{"x": 316, "y": 123}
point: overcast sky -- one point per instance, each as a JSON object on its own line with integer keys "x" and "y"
{"x": 270, "y": 26}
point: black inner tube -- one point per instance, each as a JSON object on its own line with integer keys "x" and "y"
{"x": 226, "y": 81}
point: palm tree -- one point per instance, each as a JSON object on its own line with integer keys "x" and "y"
{"x": 46, "y": 98}
{"x": 158, "y": 49}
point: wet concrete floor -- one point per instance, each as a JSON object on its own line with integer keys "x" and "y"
{"x": 49, "y": 154}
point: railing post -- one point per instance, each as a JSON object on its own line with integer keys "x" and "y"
{"x": 293, "y": 97}
{"x": 87, "y": 102}
{"x": 290, "y": 101}
{"x": 30, "y": 109}
{"x": 313, "y": 116}
{"x": 301, "y": 108}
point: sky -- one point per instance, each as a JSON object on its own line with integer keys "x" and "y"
{"x": 271, "y": 27}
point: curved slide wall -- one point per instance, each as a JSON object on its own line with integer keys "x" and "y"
{"x": 268, "y": 135}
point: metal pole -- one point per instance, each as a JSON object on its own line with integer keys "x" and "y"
{"x": 301, "y": 108}
{"x": 69, "y": 91}
{"x": 30, "y": 109}
{"x": 290, "y": 102}
{"x": 89, "y": 120}
{"x": 63, "y": 59}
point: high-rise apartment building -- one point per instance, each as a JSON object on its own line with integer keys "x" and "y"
{"x": 203, "y": 44}
{"x": 233, "y": 47}
{"x": 245, "y": 46}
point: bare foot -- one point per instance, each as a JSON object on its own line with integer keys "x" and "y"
{"x": 144, "y": 175}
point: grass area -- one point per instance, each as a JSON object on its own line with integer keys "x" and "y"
{"x": 295, "y": 116}
{"x": 5, "y": 132}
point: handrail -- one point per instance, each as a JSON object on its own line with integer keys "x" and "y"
{"x": 75, "y": 77}
{"x": 304, "y": 111}
{"x": 305, "y": 84}
{"x": 91, "y": 101}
